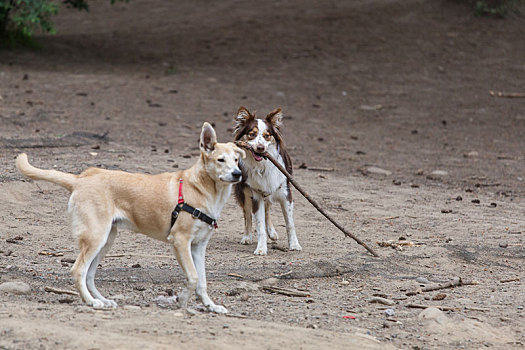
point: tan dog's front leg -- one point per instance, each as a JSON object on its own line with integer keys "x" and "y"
{"x": 182, "y": 253}
{"x": 198, "y": 251}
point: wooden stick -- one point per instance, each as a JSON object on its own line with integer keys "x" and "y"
{"x": 311, "y": 200}
{"x": 515, "y": 279}
{"x": 59, "y": 291}
{"x": 284, "y": 291}
{"x": 507, "y": 94}
{"x": 442, "y": 308}
{"x": 456, "y": 282}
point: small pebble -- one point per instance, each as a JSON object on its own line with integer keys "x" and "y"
{"x": 476, "y": 201}
{"x": 459, "y": 198}
{"x": 422, "y": 280}
{"x": 503, "y": 244}
{"x": 378, "y": 171}
{"x": 493, "y": 205}
{"x": 390, "y": 312}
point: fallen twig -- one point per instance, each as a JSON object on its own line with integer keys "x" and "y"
{"x": 312, "y": 168}
{"x": 236, "y": 275}
{"x": 386, "y": 218}
{"x": 476, "y": 309}
{"x": 128, "y": 255}
{"x": 44, "y": 252}
{"x": 284, "y": 291}
{"x": 515, "y": 279}
{"x": 507, "y": 94}
{"x": 397, "y": 245}
{"x": 60, "y": 291}
{"x": 456, "y": 282}
{"x": 442, "y": 308}
{"x": 308, "y": 198}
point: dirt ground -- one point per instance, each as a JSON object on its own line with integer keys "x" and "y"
{"x": 393, "y": 84}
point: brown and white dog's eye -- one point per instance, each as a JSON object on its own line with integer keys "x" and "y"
{"x": 267, "y": 136}
{"x": 252, "y": 134}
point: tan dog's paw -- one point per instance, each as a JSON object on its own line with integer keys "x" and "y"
{"x": 218, "y": 309}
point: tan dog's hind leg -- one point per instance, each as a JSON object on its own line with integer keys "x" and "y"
{"x": 92, "y": 225}
{"x": 93, "y": 269}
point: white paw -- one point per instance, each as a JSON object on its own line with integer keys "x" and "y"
{"x": 246, "y": 239}
{"x": 261, "y": 251}
{"x": 110, "y": 304}
{"x": 218, "y": 309}
{"x": 97, "y": 304}
{"x": 295, "y": 246}
{"x": 272, "y": 234}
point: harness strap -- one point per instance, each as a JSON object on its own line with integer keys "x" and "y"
{"x": 196, "y": 213}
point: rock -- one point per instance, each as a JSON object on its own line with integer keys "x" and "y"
{"x": 422, "y": 280}
{"x": 161, "y": 299}
{"x": 383, "y": 301}
{"x": 132, "y": 307}
{"x": 503, "y": 244}
{"x": 471, "y": 154}
{"x": 84, "y": 309}
{"x": 390, "y": 312}
{"x": 251, "y": 287}
{"x": 378, "y": 171}
{"x": 433, "y": 315}
{"x": 15, "y": 287}
{"x": 439, "y": 173}
{"x": 272, "y": 281}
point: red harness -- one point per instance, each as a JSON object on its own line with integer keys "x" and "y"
{"x": 196, "y": 213}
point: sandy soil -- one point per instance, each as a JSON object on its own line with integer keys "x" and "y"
{"x": 399, "y": 85}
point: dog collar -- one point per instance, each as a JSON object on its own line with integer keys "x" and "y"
{"x": 196, "y": 213}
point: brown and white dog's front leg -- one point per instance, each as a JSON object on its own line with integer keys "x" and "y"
{"x": 287, "y": 208}
{"x": 260, "y": 224}
{"x": 198, "y": 252}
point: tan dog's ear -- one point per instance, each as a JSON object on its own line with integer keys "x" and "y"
{"x": 239, "y": 150}
{"x": 208, "y": 138}
{"x": 275, "y": 118}
{"x": 243, "y": 116}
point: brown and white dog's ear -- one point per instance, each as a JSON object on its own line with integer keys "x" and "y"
{"x": 275, "y": 118}
{"x": 241, "y": 119}
{"x": 208, "y": 138}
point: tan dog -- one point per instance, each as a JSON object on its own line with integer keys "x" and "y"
{"x": 102, "y": 199}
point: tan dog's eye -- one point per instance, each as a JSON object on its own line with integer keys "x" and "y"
{"x": 221, "y": 160}
{"x": 267, "y": 136}
{"x": 236, "y": 160}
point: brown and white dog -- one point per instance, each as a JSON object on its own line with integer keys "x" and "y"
{"x": 101, "y": 200}
{"x": 262, "y": 182}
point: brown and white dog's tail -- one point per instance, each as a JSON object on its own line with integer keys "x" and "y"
{"x": 63, "y": 179}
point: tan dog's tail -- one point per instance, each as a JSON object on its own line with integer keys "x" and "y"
{"x": 63, "y": 179}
